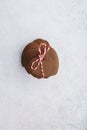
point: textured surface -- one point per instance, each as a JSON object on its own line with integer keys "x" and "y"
{"x": 60, "y": 102}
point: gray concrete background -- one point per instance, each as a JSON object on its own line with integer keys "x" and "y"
{"x": 60, "y": 102}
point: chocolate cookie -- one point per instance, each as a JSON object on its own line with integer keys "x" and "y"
{"x": 40, "y": 59}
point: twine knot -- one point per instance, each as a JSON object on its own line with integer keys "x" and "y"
{"x": 35, "y": 64}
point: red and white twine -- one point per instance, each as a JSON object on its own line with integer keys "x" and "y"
{"x": 41, "y": 56}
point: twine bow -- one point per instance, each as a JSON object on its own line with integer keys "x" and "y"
{"x": 40, "y": 58}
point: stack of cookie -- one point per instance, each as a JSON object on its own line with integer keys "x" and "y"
{"x": 40, "y": 59}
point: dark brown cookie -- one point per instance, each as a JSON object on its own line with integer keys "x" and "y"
{"x": 40, "y": 59}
